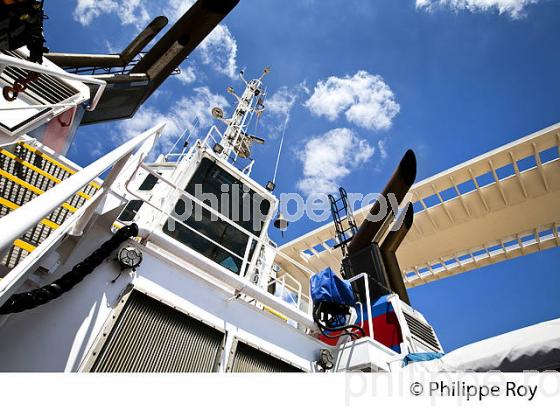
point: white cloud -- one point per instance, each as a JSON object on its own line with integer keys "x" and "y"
{"x": 364, "y": 99}
{"x": 282, "y": 101}
{"x": 328, "y": 158}
{"x": 182, "y": 116}
{"x": 219, "y": 50}
{"x": 87, "y": 10}
{"x": 514, "y": 8}
{"x": 134, "y": 12}
{"x": 382, "y": 145}
{"x": 176, "y": 8}
{"x": 187, "y": 75}
{"x": 278, "y": 108}
{"x": 128, "y": 11}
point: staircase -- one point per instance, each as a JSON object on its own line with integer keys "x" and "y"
{"x": 25, "y": 173}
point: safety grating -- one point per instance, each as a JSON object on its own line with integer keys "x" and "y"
{"x": 25, "y": 173}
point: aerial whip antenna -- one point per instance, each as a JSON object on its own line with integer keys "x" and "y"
{"x": 279, "y": 153}
{"x": 281, "y": 222}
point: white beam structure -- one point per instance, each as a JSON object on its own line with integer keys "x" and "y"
{"x": 497, "y": 206}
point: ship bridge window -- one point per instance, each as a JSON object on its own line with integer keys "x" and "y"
{"x": 131, "y": 209}
{"x": 149, "y": 183}
{"x": 228, "y": 196}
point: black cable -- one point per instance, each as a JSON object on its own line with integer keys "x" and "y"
{"x": 37, "y": 297}
{"x": 347, "y": 329}
{"x": 345, "y": 332}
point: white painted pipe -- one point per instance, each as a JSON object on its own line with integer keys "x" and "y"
{"x": 27, "y": 65}
{"x": 17, "y": 222}
{"x": 240, "y": 284}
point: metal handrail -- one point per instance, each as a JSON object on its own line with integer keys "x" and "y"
{"x": 244, "y": 270}
{"x": 198, "y": 202}
{"x": 240, "y": 285}
{"x": 27, "y": 65}
{"x": 284, "y": 274}
{"x": 364, "y": 276}
{"x": 246, "y": 266}
{"x": 17, "y": 222}
{"x": 210, "y": 136}
{"x": 17, "y": 275}
{"x": 209, "y": 209}
{"x": 298, "y": 292}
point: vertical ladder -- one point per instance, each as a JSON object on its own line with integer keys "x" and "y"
{"x": 344, "y": 221}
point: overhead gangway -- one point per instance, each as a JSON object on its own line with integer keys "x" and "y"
{"x": 497, "y": 206}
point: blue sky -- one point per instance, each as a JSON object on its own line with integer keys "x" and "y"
{"x": 450, "y": 79}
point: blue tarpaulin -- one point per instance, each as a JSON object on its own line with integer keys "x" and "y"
{"x": 421, "y": 357}
{"x": 326, "y": 286}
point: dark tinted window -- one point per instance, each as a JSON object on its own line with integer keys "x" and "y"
{"x": 149, "y": 183}
{"x": 130, "y": 210}
{"x": 233, "y": 200}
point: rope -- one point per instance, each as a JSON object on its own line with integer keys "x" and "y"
{"x": 37, "y": 297}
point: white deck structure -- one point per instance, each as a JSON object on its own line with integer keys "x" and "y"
{"x": 182, "y": 308}
{"x": 497, "y": 206}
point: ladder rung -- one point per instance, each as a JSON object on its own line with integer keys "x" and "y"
{"x": 342, "y": 215}
{"x": 39, "y": 171}
{"x": 55, "y": 162}
{"x": 32, "y": 188}
{"x": 344, "y": 242}
{"x": 12, "y": 206}
{"x": 24, "y": 245}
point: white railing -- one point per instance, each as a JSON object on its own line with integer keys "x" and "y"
{"x": 247, "y": 265}
{"x": 17, "y": 222}
{"x": 301, "y": 300}
{"x": 239, "y": 285}
{"x": 27, "y": 65}
{"x": 210, "y": 137}
{"x": 248, "y": 262}
{"x": 231, "y": 157}
{"x": 367, "y": 311}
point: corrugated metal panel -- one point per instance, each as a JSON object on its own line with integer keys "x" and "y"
{"x": 247, "y": 359}
{"x": 150, "y": 336}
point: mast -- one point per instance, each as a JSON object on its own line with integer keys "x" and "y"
{"x": 236, "y": 142}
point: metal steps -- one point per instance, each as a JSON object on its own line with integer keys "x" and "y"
{"x": 25, "y": 173}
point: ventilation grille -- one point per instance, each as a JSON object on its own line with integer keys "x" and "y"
{"x": 46, "y": 88}
{"x": 247, "y": 359}
{"x": 422, "y": 332}
{"x": 150, "y": 336}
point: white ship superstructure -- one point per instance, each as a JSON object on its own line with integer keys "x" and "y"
{"x": 212, "y": 272}
{"x": 167, "y": 265}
